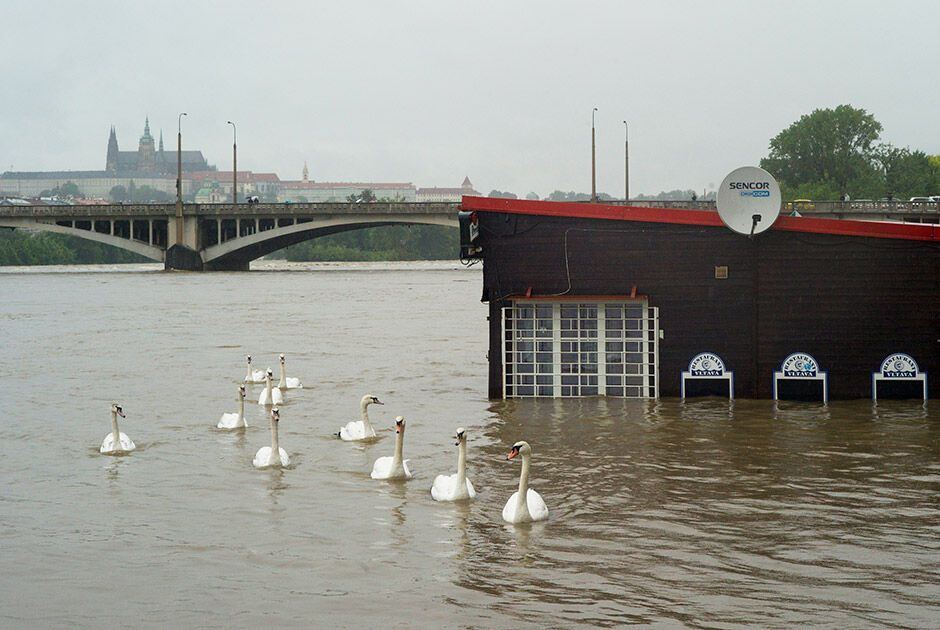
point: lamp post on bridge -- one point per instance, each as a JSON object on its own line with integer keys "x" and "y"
{"x": 626, "y": 161}
{"x": 593, "y": 161}
{"x": 179, "y": 178}
{"x": 234, "y": 163}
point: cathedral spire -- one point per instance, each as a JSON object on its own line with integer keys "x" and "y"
{"x": 111, "y": 164}
{"x": 147, "y": 127}
{"x": 161, "y": 141}
{"x": 306, "y": 172}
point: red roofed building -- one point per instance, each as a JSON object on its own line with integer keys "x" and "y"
{"x": 447, "y": 194}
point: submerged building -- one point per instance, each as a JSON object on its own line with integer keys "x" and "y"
{"x": 590, "y": 299}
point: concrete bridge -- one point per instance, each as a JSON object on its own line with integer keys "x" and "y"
{"x": 210, "y": 237}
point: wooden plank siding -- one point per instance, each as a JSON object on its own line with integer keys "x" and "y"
{"x": 847, "y": 300}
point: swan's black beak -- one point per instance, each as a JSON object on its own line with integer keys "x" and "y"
{"x": 120, "y": 412}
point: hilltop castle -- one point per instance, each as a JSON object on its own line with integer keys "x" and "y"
{"x": 149, "y": 159}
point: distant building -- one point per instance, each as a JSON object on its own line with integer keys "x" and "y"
{"x": 264, "y": 185}
{"x": 307, "y": 191}
{"x": 446, "y": 194}
{"x": 150, "y": 165}
{"x": 150, "y": 159}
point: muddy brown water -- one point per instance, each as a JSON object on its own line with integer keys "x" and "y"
{"x": 699, "y": 514}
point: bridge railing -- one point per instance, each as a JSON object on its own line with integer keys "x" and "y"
{"x": 164, "y": 210}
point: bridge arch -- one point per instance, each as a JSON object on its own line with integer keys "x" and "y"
{"x": 151, "y": 252}
{"x": 235, "y": 254}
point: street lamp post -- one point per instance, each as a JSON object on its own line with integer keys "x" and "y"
{"x": 234, "y": 163}
{"x": 626, "y": 161}
{"x": 179, "y": 178}
{"x": 593, "y": 161}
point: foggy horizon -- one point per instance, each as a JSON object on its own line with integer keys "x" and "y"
{"x": 429, "y": 93}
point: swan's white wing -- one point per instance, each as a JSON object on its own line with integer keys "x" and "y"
{"x": 471, "y": 490}
{"x": 107, "y": 445}
{"x": 277, "y": 396}
{"x": 537, "y": 508}
{"x": 382, "y": 468}
{"x": 285, "y": 458}
{"x": 294, "y": 383}
{"x": 262, "y": 457}
{"x": 263, "y": 398}
{"x": 126, "y": 445}
{"x": 352, "y": 431}
{"x": 257, "y": 376}
{"x": 230, "y": 421}
{"x": 404, "y": 465}
{"x": 509, "y": 510}
{"x": 443, "y": 487}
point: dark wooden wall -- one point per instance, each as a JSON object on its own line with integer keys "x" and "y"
{"x": 848, "y": 301}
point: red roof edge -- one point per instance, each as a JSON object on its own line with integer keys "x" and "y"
{"x": 843, "y": 227}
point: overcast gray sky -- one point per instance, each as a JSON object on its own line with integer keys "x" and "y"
{"x": 429, "y": 92}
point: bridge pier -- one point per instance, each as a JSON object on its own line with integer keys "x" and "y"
{"x": 182, "y": 258}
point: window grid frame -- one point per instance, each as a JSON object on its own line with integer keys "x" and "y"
{"x": 524, "y": 369}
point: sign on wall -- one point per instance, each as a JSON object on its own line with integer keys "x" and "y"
{"x": 801, "y": 366}
{"x": 709, "y": 366}
{"x": 897, "y": 367}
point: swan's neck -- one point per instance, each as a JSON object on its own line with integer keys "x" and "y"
{"x": 364, "y": 413}
{"x": 283, "y": 382}
{"x": 114, "y": 429}
{"x": 461, "y": 466}
{"x": 249, "y": 377}
{"x": 524, "y": 484}
{"x": 241, "y": 408}
{"x": 267, "y": 388}
{"x": 399, "y": 443}
{"x": 275, "y": 447}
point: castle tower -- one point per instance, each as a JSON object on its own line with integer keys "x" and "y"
{"x": 112, "y": 162}
{"x": 146, "y": 153}
{"x": 306, "y": 172}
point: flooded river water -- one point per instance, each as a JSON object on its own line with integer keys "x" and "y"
{"x": 699, "y": 514}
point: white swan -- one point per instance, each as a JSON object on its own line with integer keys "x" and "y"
{"x": 455, "y": 487}
{"x": 235, "y": 420}
{"x": 116, "y": 442}
{"x": 288, "y": 382}
{"x": 269, "y": 395}
{"x": 272, "y": 455}
{"x": 526, "y": 504}
{"x": 254, "y": 376}
{"x": 393, "y": 467}
{"x": 360, "y": 429}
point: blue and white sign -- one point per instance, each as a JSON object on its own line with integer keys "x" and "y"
{"x": 800, "y": 365}
{"x": 709, "y": 366}
{"x": 706, "y": 364}
{"x": 899, "y": 366}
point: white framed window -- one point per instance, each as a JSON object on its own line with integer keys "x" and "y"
{"x": 580, "y": 347}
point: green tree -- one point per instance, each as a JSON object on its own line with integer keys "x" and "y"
{"x": 502, "y": 195}
{"x": 118, "y": 193}
{"x": 68, "y": 190}
{"x": 906, "y": 173}
{"x": 366, "y": 196}
{"x": 832, "y": 147}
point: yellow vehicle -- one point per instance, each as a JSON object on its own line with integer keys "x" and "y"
{"x": 800, "y": 204}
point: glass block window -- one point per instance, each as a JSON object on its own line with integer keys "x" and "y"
{"x": 580, "y": 348}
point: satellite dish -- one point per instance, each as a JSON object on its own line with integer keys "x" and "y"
{"x": 748, "y": 200}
